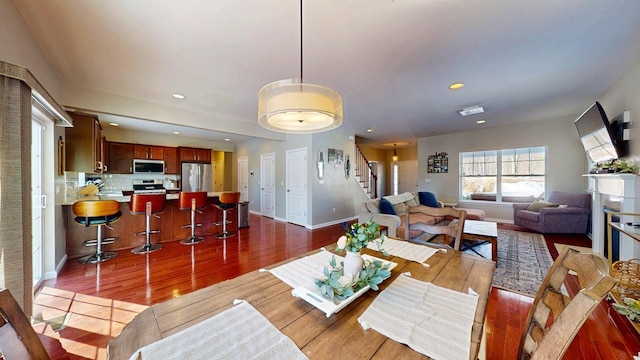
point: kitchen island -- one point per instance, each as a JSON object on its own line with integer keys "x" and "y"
{"x": 170, "y": 224}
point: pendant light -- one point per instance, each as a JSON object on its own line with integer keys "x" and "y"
{"x": 291, "y": 106}
{"x": 394, "y": 158}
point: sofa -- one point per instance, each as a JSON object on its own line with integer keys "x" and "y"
{"x": 560, "y": 212}
{"x": 394, "y": 218}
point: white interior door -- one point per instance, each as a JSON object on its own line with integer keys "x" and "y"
{"x": 243, "y": 178}
{"x": 38, "y": 201}
{"x": 267, "y": 185}
{"x": 297, "y": 186}
{"x": 407, "y": 176}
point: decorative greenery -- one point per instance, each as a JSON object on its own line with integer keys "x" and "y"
{"x": 619, "y": 165}
{"x": 630, "y": 309}
{"x": 336, "y": 286}
{"x": 358, "y": 236}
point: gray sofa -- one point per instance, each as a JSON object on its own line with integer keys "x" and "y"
{"x": 561, "y": 212}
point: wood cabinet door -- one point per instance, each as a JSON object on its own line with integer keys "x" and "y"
{"x": 140, "y": 151}
{"x": 120, "y": 158}
{"x": 186, "y": 154}
{"x": 170, "y": 160}
{"x": 97, "y": 146}
{"x": 203, "y": 155}
{"x": 155, "y": 152}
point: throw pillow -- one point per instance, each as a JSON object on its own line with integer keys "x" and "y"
{"x": 386, "y": 207}
{"x": 428, "y": 199}
{"x": 537, "y": 205}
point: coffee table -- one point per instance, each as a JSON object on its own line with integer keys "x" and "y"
{"x": 482, "y": 231}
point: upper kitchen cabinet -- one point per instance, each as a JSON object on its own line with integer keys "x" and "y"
{"x": 120, "y": 158}
{"x": 148, "y": 152}
{"x": 83, "y": 144}
{"x": 170, "y": 160}
{"x": 187, "y": 154}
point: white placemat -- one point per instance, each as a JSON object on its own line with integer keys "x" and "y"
{"x": 305, "y": 269}
{"x": 406, "y": 250}
{"x": 432, "y": 320}
{"x": 240, "y": 332}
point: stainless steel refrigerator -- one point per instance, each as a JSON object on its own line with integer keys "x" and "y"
{"x": 196, "y": 177}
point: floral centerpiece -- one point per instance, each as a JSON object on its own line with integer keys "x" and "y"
{"x": 359, "y": 235}
{"x": 344, "y": 280}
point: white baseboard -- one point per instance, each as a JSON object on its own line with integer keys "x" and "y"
{"x": 54, "y": 274}
{"x": 330, "y": 223}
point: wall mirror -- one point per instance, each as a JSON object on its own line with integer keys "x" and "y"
{"x": 320, "y": 164}
{"x": 347, "y": 166}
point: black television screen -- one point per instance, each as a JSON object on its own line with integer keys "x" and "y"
{"x": 597, "y": 135}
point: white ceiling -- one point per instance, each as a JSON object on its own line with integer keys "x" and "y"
{"x": 392, "y": 61}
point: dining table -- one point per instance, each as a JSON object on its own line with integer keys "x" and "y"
{"x": 315, "y": 334}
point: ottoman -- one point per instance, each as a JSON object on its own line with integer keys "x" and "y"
{"x": 475, "y": 214}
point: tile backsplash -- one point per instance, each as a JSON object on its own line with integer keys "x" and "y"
{"x": 113, "y": 183}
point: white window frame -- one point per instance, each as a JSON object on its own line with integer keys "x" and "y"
{"x": 499, "y": 171}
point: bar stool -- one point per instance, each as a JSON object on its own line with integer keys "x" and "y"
{"x": 228, "y": 201}
{"x": 97, "y": 213}
{"x": 194, "y": 201}
{"x": 149, "y": 205}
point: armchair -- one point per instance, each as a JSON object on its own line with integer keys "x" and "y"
{"x": 560, "y": 213}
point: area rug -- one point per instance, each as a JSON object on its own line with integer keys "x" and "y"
{"x": 523, "y": 262}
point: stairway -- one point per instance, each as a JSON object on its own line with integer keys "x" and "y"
{"x": 364, "y": 174}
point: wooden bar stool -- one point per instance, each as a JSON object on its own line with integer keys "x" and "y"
{"x": 228, "y": 201}
{"x": 194, "y": 201}
{"x": 97, "y": 213}
{"x": 149, "y": 205}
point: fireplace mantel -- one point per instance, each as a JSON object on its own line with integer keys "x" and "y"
{"x": 626, "y": 187}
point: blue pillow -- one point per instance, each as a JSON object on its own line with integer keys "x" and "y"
{"x": 428, "y": 199}
{"x": 386, "y": 207}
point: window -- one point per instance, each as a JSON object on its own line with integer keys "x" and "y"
{"x": 507, "y": 175}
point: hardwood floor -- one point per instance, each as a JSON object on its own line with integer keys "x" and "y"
{"x": 104, "y": 298}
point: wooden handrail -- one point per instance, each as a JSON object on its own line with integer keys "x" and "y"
{"x": 362, "y": 163}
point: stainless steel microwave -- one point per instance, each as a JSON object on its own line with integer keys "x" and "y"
{"x": 141, "y": 166}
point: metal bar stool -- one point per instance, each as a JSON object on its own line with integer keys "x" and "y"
{"x": 149, "y": 205}
{"x": 194, "y": 201}
{"x": 228, "y": 201}
{"x": 97, "y": 213}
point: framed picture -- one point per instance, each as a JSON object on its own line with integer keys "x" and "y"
{"x": 438, "y": 163}
{"x": 334, "y": 156}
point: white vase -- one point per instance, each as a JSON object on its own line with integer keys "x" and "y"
{"x": 353, "y": 263}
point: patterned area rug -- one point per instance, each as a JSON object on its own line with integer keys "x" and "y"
{"x": 523, "y": 262}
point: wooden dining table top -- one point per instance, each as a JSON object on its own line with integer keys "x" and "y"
{"x": 317, "y": 336}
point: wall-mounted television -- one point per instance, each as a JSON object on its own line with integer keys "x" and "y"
{"x": 601, "y": 140}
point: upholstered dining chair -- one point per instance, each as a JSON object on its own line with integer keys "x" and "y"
{"x": 18, "y": 340}
{"x": 555, "y": 318}
{"x": 452, "y": 229}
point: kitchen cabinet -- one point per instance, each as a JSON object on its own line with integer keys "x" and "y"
{"x": 83, "y": 144}
{"x": 148, "y": 152}
{"x": 170, "y": 160}
{"x": 120, "y": 158}
{"x": 187, "y": 154}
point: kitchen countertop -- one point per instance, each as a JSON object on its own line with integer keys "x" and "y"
{"x": 121, "y": 198}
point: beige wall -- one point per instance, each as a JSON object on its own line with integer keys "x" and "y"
{"x": 624, "y": 95}
{"x": 566, "y": 161}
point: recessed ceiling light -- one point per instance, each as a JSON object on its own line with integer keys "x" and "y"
{"x": 114, "y": 124}
{"x": 178, "y": 96}
{"x": 369, "y": 130}
{"x": 177, "y": 132}
{"x": 456, "y": 86}
{"x": 471, "y": 110}
{"x": 480, "y": 122}
{"x": 227, "y": 139}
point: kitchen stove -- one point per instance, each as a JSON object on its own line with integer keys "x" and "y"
{"x": 153, "y": 186}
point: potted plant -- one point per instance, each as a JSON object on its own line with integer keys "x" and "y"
{"x": 355, "y": 238}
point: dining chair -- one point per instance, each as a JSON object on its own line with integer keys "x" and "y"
{"x": 18, "y": 340}
{"x": 451, "y": 229}
{"x": 555, "y": 317}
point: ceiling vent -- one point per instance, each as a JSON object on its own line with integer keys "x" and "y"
{"x": 471, "y": 110}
